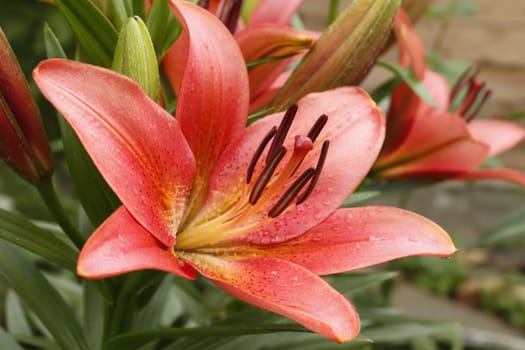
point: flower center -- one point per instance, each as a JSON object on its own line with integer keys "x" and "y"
{"x": 270, "y": 183}
{"x": 475, "y": 94}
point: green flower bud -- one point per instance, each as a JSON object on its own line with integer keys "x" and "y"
{"x": 344, "y": 53}
{"x": 135, "y": 56}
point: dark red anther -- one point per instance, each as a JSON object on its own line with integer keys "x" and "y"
{"x": 471, "y": 113}
{"x": 282, "y": 131}
{"x": 290, "y": 194}
{"x": 466, "y": 78}
{"x": 315, "y": 178}
{"x": 265, "y": 176}
{"x": 258, "y": 152}
{"x": 231, "y": 9}
{"x": 318, "y": 126}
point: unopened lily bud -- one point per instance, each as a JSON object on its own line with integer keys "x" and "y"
{"x": 135, "y": 56}
{"x": 23, "y": 141}
{"x": 344, "y": 53}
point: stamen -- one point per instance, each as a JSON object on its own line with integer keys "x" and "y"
{"x": 318, "y": 126}
{"x": 265, "y": 176}
{"x": 465, "y": 78}
{"x": 473, "y": 91}
{"x": 318, "y": 168}
{"x": 282, "y": 131}
{"x": 258, "y": 152}
{"x": 471, "y": 114}
{"x": 290, "y": 194}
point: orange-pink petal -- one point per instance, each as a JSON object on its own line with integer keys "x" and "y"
{"x": 122, "y": 245}
{"x": 287, "y": 289}
{"x": 276, "y": 11}
{"x": 436, "y": 142}
{"x": 406, "y": 106}
{"x": 207, "y": 71}
{"x": 499, "y": 135}
{"x": 359, "y": 237}
{"x": 411, "y": 47}
{"x": 137, "y": 146}
{"x": 445, "y": 161}
{"x": 503, "y": 174}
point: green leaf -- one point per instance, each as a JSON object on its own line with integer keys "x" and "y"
{"x": 511, "y": 227}
{"x": 16, "y": 320}
{"x": 121, "y": 12}
{"x": 413, "y": 82}
{"x": 164, "y": 28}
{"x": 39, "y": 296}
{"x": 347, "y": 283}
{"x": 52, "y": 45}
{"x": 17, "y": 230}
{"x": 513, "y": 116}
{"x": 93, "y": 314}
{"x": 385, "y": 89}
{"x": 37, "y": 342}
{"x": 7, "y": 341}
{"x": 95, "y": 33}
{"x": 404, "y": 332}
{"x": 136, "y": 339}
{"x": 96, "y": 197}
{"x": 359, "y": 197}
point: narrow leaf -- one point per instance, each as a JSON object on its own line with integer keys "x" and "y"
{"x": 351, "y": 282}
{"x": 40, "y": 297}
{"x": 95, "y": 33}
{"x": 8, "y": 342}
{"x": 16, "y": 320}
{"x": 18, "y": 230}
{"x": 413, "y": 82}
{"x": 511, "y": 227}
{"x": 134, "y": 340}
{"x": 51, "y": 44}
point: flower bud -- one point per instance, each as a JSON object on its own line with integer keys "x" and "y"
{"x": 23, "y": 141}
{"x": 135, "y": 56}
{"x": 344, "y": 53}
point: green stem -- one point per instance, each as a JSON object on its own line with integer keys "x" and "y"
{"x": 334, "y": 11}
{"x": 49, "y": 195}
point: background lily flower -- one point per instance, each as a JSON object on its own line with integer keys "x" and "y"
{"x": 23, "y": 140}
{"x": 437, "y": 142}
{"x": 253, "y": 209}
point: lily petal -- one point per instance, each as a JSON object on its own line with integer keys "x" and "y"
{"x": 503, "y": 174}
{"x": 137, "y": 146}
{"x": 355, "y": 129}
{"x": 446, "y": 161}
{"x": 122, "y": 245}
{"x": 499, "y": 135}
{"x": 287, "y": 289}
{"x": 411, "y": 47}
{"x": 359, "y": 237}
{"x": 435, "y": 142}
{"x": 207, "y": 71}
{"x": 406, "y": 106}
{"x": 276, "y": 11}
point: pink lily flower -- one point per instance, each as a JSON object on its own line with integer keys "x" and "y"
{"x": 253, "y": 209}
{"x": 436, "y": 142}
